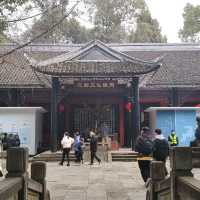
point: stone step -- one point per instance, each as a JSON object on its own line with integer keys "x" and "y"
{"x": 124, "y": 153}
{"x": 51, "y": 155}
{"x": 53, "y": 159}
{"x": 124, "y": 159}
{"x": 124, "y": 156}
{"x": 121, "y": 157}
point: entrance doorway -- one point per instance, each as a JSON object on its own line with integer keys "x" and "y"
{"x": 93, "y": 116}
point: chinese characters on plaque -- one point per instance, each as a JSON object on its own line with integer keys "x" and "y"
{"x": 95, "y": 84}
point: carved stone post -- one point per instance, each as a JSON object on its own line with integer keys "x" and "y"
{"x": 38, "y": 173}
{"x": 181, "y": 165}
{"x": 16, "y": 165}
{"x": 157, "y": 173}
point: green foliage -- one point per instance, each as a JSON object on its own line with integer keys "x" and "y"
{"x": 191, "y": 28}
{"x": 10, "y": 5}
{"x": 69, "y": 31}
{"x": 7, "y": 7}
{"x": 115, "y": 21}
{"x": 147, "y": 30}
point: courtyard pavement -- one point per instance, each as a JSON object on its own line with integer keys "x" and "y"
{"x": 107, "y": 181}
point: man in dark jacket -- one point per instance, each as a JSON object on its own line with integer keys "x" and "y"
{"x": 160, "y": 148}
{"x": 93, "y": 147}
{"x": 144, "y": 146}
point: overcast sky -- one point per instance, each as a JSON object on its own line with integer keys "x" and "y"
{"x": 169, "y": 14}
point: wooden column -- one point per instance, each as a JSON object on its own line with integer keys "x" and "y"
{"x": 54, "y": 113}
{"x": 135, "y": 117}
{"x": 174, "y": 97}
{"x": 14, "y": 97}
{"x": 121, "y": 123}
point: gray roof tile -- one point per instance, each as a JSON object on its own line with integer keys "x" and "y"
{"x": 181, "y": 64}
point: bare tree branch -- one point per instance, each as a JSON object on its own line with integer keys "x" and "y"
{"x": 43, "y": 33}
{"x": 26, "y": 18}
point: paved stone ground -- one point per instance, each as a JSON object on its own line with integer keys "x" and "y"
{"x": 107, "y": 181}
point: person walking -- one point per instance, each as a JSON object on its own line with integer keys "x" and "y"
{"x": 78, "y": 147}
{"x": 196, "y": 141}
{"x": 144, "y": 146}
{"x": 160, "y": 148}
{"x": 173, "y": 139}
{"x": 93, "y": 147}
{"x": 66, "y": 143}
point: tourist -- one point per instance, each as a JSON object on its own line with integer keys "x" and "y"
{"x": 197, "y": 131}
{"x": 196, "y": 141}
{"x": 160, "y": 148}
{"x": 66, "y": 143}
{"x": 144, "y": 146}
{"x": 78, "y": 147}
{"x": 1, "y": 150}
{"x": 173, "y": 139}
{"x": 93, "y": 147}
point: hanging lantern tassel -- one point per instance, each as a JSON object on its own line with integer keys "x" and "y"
{"x": 129, "y": 106}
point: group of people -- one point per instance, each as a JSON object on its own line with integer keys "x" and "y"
{"x": 153, "y": 146}
{"x": 67, "y": 143}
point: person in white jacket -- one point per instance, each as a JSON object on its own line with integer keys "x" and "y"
{"x": 66, "y": 143}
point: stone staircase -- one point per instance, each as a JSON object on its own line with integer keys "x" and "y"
{"x": 124, "y": 156}
{"x": 49, "y": 156}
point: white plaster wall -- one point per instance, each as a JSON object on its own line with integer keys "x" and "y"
{"x": 25, "y": 123}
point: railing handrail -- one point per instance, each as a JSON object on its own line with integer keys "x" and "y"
{"x": 162, "y": 185}
{"x": 9, "y": 187}
{"x": 181, "y": 184}
{"x": 190, "y": 182}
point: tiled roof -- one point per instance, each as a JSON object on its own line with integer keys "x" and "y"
{"x": 15, "y": 72}
{"x": 95, "y": 59}
{"x": 179, "y": 68}
{"x": 181, "y": 64}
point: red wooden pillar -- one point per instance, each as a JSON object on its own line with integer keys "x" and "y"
{"x": 121, "y": 123}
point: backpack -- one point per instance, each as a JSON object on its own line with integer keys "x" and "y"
{"x": 161, "y": 149}
{"x": 144, "y": 146}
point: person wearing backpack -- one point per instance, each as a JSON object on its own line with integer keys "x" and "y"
{"x": 160, "y": 148}
{"x": 144, "y": 146}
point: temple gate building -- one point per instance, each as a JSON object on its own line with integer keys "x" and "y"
{"x": 83, "y": 86}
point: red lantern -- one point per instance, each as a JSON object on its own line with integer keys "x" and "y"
{"x": 129, "y": 106}
{"x": 61, "y": 108}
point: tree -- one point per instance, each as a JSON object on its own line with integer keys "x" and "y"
{"x": 124, "y": 21}
{"x": 7, "y": 7}
{"x": 10, "y": 5}
{"x": 147, "y": 30}
{"x": 109, "y": 17}
{"x": 69, "y": 31}
{"x": 191, "y": 27}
